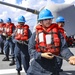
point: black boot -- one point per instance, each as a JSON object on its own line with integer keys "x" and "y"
{"x": 6, "y": 58}
{"x": 18, "y": 73}
{"x": 2, "y": 52}
{"x": 55, "y": 73}
{"x": 12, "y": 62}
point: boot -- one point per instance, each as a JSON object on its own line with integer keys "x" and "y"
{"x": 6, "y": 58}
{"x": 2, "y": 52}
{"x": 55, "y": 73}
{"x": 60, "y": 70}
{"x": 12, "y": 62}
{"x": 18, "y": 73}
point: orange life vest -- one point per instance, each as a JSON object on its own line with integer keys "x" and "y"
{"x": 22, "y": 32}
{"x": 2, "y": 28}
{"x": 47, "y": 40}
{"x": 9, "y": 29}
{"x": 68, "y": 40}
{"x": 63, "y": 32}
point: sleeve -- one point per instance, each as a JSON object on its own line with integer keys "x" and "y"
{"x": 64, "y": 50}
{"x": 31, "y": 48}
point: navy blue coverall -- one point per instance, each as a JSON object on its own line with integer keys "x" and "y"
{"x": 2, "y": 41}
{"x": 43, "y": 66}
{"x": 9, "y": 45}
{"x": 22, "y": 55}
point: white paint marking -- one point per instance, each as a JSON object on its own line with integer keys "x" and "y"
{"x": 8, "y": 71}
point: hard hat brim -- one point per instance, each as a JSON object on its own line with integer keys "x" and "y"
{"x": 45, "y": 18}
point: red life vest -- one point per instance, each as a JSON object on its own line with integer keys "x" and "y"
{"x": 2, "y": 28}
{"x": 68, "y": 40}
{"x": 63, "y": 32}
{"x": 9, "y": 29}
{"x": 22, "y": 32}
{"x": 47, "y": 40}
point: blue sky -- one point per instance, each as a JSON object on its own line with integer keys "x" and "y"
{"x": 58, "y": 1}
{"x": 18, "y": 1}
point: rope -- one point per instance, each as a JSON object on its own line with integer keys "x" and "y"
{"x": 59, "y": 57}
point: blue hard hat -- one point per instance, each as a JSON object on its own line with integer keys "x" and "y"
{"x": 45, "y": 14}
{"x": 1, "y": 20}
{"x": 21, "y": 19}
{"x": 60, "y": 19}
{"x": 8, "y": 20}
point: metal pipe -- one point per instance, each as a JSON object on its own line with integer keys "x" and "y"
{"x": 19, "y": 7}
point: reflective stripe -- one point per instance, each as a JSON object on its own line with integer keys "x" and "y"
{"x": 48, "y": 39}
{"x": 21, "y": 31}
{"x": 41, "y": 37}
{"x": 1, "y": 29}
{"x": 7, "y": 30}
